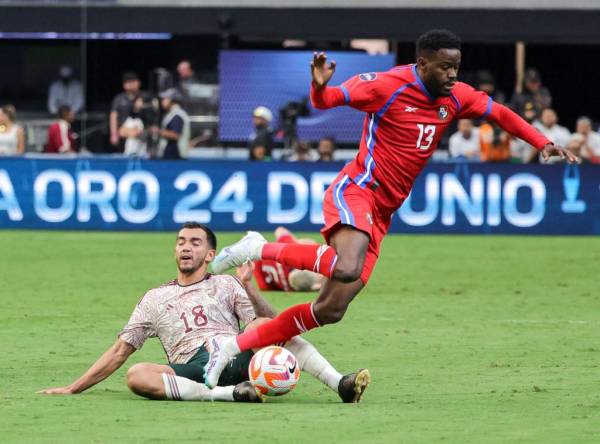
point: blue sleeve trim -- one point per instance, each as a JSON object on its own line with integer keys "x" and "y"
{"x": 346, "y": 94}
{"x": 489, "y": 108}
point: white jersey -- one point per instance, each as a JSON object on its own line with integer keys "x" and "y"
{"x": 185, "y": 317}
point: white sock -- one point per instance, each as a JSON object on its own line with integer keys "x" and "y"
{"x": 183, "y": 389}
{"x": 313, "y": 363}
{"x": 231, "y": 346}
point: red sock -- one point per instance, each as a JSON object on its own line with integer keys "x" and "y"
{"x": 313, "y": 257}
{"x": 289, "y": 323}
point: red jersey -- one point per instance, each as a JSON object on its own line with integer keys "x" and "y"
{"x": 271, "y": 275}
{"x": 405, "y": 123}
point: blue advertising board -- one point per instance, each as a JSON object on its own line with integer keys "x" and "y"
{"x": 123, "y": 194}
{"x": 249, "y": 79}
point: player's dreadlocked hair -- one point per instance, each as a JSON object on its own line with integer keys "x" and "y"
{"x": 210, "y": 235}
{"x": 436, "y": 39}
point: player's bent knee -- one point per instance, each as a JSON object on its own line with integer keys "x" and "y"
{"x": 137, "y": 379}
{"x": 134, "y": 376}
{"x": 332, "y": 317}
{"x": 347, "y": 272}
{"x": 328, "y": 314}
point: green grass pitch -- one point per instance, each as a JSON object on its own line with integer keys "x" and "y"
{"x": 469, "y": 339}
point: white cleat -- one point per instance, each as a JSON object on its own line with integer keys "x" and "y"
{"x": 247, "y": 248}
{"x": 222, "y": 350}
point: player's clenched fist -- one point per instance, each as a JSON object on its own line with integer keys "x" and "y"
{"x": 321, "y": 71}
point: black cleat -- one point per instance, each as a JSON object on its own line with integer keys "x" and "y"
{"x": 352, "y": 386}
{"x": 245, "y": 392}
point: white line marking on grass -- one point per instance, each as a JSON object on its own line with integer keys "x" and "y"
{"x": 543, "y": 321}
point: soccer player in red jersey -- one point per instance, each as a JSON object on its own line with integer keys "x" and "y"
{"x": 408, "y": 109}
{"x": 273, "y": 276}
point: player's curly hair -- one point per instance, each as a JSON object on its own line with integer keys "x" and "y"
{"x": 436, "y": 39}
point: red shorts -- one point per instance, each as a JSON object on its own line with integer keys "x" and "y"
{"x": 271, "y": 275}
{"x": 346, "y": 203}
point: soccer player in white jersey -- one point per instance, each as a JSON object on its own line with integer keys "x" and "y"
{"x": 185, "y": 314}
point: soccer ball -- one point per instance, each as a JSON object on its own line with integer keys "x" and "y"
{"x": 274, "y": 371}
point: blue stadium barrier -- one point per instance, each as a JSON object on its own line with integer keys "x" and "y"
{"x": 128, "y": 194}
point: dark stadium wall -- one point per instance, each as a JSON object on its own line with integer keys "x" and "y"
{"x": 486, "y": 25}
{"x": 34, "y": 63}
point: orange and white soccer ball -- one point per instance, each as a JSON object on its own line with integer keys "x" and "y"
{"x": 274, "y": 371}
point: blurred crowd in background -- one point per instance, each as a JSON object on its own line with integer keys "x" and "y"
{"x": 158, "y": 125}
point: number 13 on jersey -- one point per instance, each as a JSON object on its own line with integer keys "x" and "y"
{"x": 426, "y": 133}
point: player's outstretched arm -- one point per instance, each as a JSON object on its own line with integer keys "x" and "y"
{"x": 261, "y": 307}
{"x": 105, "y": 366}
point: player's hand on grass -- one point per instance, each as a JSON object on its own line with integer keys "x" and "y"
{"x": 57, "y": 391}
{"x": 244, "y": 272}
{"x": 321, "y": 71}
{"x": 553, "y": 150}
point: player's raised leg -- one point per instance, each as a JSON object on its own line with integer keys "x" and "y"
{"x": 155, "y": 381}
{"x": 346, "y": 206}
{"x": 330, "y": 306}
{"x": 318, "y": 258}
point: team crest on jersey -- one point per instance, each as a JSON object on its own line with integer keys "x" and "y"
{"x": 443, "y": 112}
{"x": 368, "y": 76}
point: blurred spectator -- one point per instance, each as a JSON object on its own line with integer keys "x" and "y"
{"x": 576, "y": 143}
{"x": 260, "y": 143}
{"x": 60, "y": 135}
{"x": 132, "y": 131}
{"x": 487, "y": 84}
{"x": 187, "y": 80}
{"x": 303, "y": 152}
{"x": 326, "y": 149}
{"x": 534, "y": 96}
{"x": 175, "y": 128}
{"x": 65, "y": 91}
{"x": 259, "y": 153}
{"x": 495, "y": 143}
{"x": 12, "y": 136}
{"x": 549, "y": 127}
{"x": 187, "y": 76}
{"x": 122, "y": 106}
{"x": 522, "y": 152}
{"x": 465, "y": 142}
{"x": 590, "y": 148}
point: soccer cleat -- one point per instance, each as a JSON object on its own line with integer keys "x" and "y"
{"x": 245, "y": 392}
{"x": 247, "y": 248}
{"x": 222, "y": 351}
{"x": 352, "y": 386}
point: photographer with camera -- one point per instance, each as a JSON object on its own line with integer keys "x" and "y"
{"x": 289, "y": 121}
{"x": 123, "y": 107}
